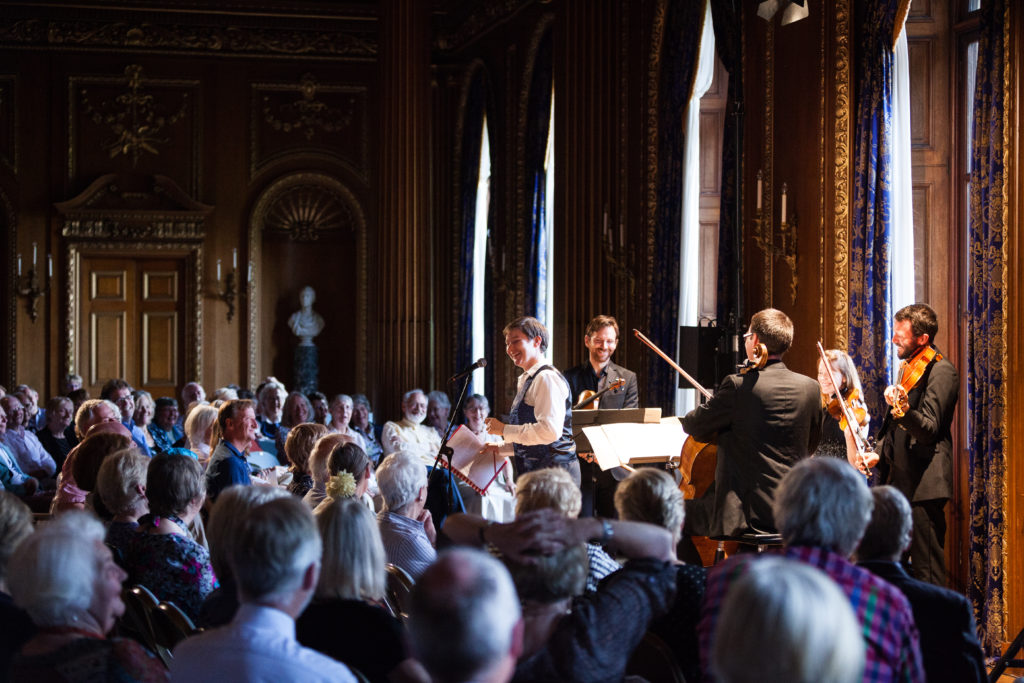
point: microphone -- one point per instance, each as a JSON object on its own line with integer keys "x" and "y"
{"x": 479, "y": 364}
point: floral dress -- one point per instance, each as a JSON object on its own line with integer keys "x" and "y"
{"x": 174, "y": 567}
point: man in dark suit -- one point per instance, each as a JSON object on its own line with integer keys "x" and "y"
{"x": 915, "y": 441}
{"x": 763, "y": 421}
{"x": 945, "y": 620}
{"x": 595, "y": 374}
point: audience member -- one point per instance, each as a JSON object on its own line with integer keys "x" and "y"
{"x": 822, "y": 507}
{"x": 121, "y": 485}
{"x": 192, "y": 392}
{"x": 439, "y": 409}
{"x": 228, "y": 464}
{"x": 341, "y": 409}
{"x": 15, "y": 526}
{"x": 164, "y": 428}
{"x": 499, "y": 502}
{"x": 345, "y": 620}
{"x": 362, "y": 422}
{"x": 163, "y": 556}
{"x": 321, "y": 411}
{"x": 229, "y": 513}
{"x": 12, "y": 478}
{"x": 465, "y": 622}
{"x": 35, "y": 418}
{"x": 66, "y": 579}
{"x": 349, "y": 475}
{"x": 410, "y": 435}
{"x": 318, "y": 467}
{"x": 78, "y": 397}
{"x": 297, "y": 448}
{"x": 58, "y": 436}
{"x": 569, "y": 635}
{"x": 145, "y": 407}
{"x": 104, "y": 440}
{"x": 91, "y": 413}
{"x": 276, "y": 563}
{"x": 119, "y": 392}
{"x": 296, "y": 411}
{"x": 945, "y": 619}
{"x": 72, "y": 382}
{"x": 554, "y": 488}
{"x": 406, "y": 526}
{"x": 30, "y": 455}
{"x": 650, "y": 495}
{"x": 270, "y": 405}
{"x": 784, "y": 620}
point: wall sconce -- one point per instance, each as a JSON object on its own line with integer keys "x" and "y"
{"x": 30, "y": 288}
{"x": 774, "y": 244}
{"x": 227, "y": 289}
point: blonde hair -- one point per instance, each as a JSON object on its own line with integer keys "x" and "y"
{"x": 318, "y": 459}
{"x": 198, "y": 422}
{"x": 548, "y": 488}
{"x": 300, "y": 442}
{"x": 118, "y": 480}
{"x": 352, "y": 565}
{"x": 650, "y": 495}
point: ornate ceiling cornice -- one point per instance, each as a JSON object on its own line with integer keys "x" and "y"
{"x": 464, "y": 27}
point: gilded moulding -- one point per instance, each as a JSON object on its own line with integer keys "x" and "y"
{"x": 841, "y": 177}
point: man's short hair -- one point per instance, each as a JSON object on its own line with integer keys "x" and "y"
{"x": 774, "y": 329}
{"x": 823, "y": 503}
{"x": 231, "y": 509}
{"x": 400, "y": 478}
{"x": 113, "y": 385}
{"x": 165, "y": 402}
{"x": 531, "y": 327}
{"x": 922, "y": 320}
{"x": 87, "y": 410}
{"x": 276, "y": 544}
{"x": 599, "y": 323}
{"x": 440, "y": 398}
{"x": 787, "y": 621}
{"x": 463, "y": 615}
{"x": 552, "y": 488}
{"x": 652, "y": 496}
{"x": 408, "y": 395}
{"x": 361, "y": 400}
{"x": 888, "y": 533}
{"x": 230, "y": 411}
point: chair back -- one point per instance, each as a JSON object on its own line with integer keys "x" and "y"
{"x": 396, "y": 591}
{"x": 135, "y": 623}
{"x": 170, "y": 625}
{"x": 653, "y": 660}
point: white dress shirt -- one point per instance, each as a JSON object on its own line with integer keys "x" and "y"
{"x": 258, "y": 646}
{"x": 29, "y": 453}
{"x": 547, "y": 394}
{"x": 417, "y": 439}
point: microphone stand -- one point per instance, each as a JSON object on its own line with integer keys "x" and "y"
{"x": 446, "y": 452}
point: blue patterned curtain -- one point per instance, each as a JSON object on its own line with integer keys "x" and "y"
{"x": 679, "y": 53}
{"x": 728, "y": 22}
{"x": 469, "y": 173}
{"x": 871, "y": 307}
{"x": 538, "y": 115}
{"x": 986, "y": 329}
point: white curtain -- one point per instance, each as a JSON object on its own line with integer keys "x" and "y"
{"x": 902, "y": 247}
{"x": 481, "y": 231}
{"x": 689, "y": 243}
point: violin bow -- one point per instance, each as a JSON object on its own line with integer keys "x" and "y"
{"x": 664, "y": 356}
{"x": 851, "y": 419}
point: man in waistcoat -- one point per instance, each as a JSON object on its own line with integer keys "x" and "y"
{"x": 539, "y": 432}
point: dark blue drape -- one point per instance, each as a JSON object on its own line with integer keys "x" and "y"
{"x": 986, "y": 331}
{"x": 728, "y": 24}
{"x": 538, "y": 115}
{"x": 871, "y": 307}
{"x": 679, "y": 53}
{"x": 469, "y": 173}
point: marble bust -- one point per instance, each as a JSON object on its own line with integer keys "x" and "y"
{"x": 306, "y": 323}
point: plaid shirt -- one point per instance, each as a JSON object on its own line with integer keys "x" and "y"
{"x": 890, "y": 635}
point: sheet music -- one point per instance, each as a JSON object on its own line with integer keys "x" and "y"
{"x": 478, "y": 469}
{"x": 626, "y": 442}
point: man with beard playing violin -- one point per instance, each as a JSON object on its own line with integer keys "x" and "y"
{"x": 764, "y": 420}
{"x": 915, "y": 443}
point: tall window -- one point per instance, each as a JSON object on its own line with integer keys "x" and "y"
{"x": 480, "y": 237}
{"x": 902, "y": 203}
{"x": 545, "y": 259}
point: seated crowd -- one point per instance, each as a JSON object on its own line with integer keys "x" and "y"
{"x": 282, "y": 525}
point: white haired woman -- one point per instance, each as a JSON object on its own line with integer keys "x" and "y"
{"x": 345, "y": 620}
{"x": 341, "y": 409}
{"x": 66, "y": 579}
{"x": 499, "y": 503}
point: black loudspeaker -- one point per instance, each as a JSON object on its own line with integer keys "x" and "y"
{"x": 698, "y": 349}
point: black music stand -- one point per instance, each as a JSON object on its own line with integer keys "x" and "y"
{"x": 443, "y": 495}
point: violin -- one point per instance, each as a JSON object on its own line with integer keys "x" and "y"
{"x": 856, "y": 404}
{"x": 590, "y": 397}
{"x": 847, "y": 411}
{"x": 911, "y": 372}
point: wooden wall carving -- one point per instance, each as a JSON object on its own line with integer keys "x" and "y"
{"x": 308, "y": 117}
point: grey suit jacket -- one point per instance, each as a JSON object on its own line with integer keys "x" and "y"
{"x": 627, "y": 397}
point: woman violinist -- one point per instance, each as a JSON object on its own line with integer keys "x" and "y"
{"x": 837, "y": 438}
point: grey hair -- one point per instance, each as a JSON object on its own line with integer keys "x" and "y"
{"x": 551, "y": 487}
{"x": 400, "y": 478}
{"x": 888, "y": 533}
{"x": 52, "y": 574}
{"x": 440, "y": 398}
{"x": 87, "y": 410}
{"x": 354, "y": 558}
{"x": 463, "y": 615}
{"x": 650, "y": 495}
{"x": 409, "y": 394}
{"x": 793, "y": 621}
{"x": 232, "y": 507}
{"x": 277, "y": 542}
{"x": 478, "y": 398}
{"x": 823, "y": 503}
{"x": 119, "y": 479}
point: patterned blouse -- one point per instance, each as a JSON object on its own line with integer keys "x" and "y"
{"x": 174, "y": 567}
